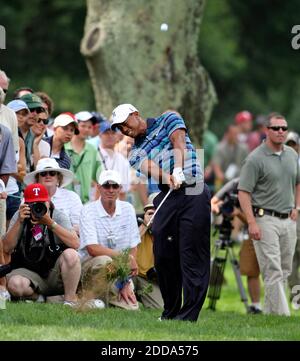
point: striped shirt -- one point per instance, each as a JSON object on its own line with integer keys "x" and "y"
{"x": 69, "y": 203}
{"x": 157, "y": 146}
{"x": 63, "y": 160}
{"x": 118, "y": 232}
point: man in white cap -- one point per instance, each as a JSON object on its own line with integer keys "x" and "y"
{"x": 65, "y": 126}
{"x": 85, "y": 160}
{"x": 84, "y": 116}
{"x": 108, "y": 226}
{"x": 181, "y": 229}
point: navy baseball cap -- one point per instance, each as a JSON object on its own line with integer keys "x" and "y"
{"x": 105, "y": 126}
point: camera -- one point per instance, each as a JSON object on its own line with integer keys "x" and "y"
{"x": 38, "y": 209}
{"x": 230, "y": 201}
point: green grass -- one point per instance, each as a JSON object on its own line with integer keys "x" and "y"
{"x": 23, "y": 321}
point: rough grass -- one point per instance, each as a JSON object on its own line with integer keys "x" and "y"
{"x": 23, "y": 321}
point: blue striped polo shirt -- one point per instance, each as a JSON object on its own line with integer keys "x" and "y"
{"x": 157, "y": 146}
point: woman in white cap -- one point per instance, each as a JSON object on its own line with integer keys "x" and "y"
{"x": 54, "y": 179}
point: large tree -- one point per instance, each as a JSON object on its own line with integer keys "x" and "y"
{"x": 133, "y": 58}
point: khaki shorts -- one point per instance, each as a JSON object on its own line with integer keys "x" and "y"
{"x": 248, "y": 261}
{"x": 52, "y": 285}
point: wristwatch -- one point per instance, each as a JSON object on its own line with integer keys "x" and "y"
{"x": 53, "y": 226}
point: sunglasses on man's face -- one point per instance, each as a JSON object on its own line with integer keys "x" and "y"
{"x": 38, "y": 110}
{"x": 5, "y": 90}
{"x": 45, "y": 121}
{"x": 108, "y": 186}
{"x": 52, "y": 173}
{"x": 277, "y": 128}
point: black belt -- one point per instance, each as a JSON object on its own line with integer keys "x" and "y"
{"x": 260, "y": 212}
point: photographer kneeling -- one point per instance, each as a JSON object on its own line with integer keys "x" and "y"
{"x": 43, "y": 245}
{"x": 225, "y": 201}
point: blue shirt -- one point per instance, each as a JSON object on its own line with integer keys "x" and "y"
{"x": 64, "y": 161}
{"x": 157, "y": 146}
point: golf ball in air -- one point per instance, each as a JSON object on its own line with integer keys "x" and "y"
{"x": 164, "y": 27}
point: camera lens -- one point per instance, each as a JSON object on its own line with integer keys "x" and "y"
{"x": 38, "y": 209}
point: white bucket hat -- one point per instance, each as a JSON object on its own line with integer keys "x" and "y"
{"x": 49, "y": 164}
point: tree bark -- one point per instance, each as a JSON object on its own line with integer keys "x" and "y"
{"x": 131, "y": 60}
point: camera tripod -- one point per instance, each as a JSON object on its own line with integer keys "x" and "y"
{"x": 223, "y": 251}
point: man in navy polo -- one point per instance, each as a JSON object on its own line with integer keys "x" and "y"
{"x": 181, "y": 229}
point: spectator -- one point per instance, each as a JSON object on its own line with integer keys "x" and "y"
{"x": 49, "y": 174}
{"x": 95, "y": 139}
{"x": 35, "y": 106}
{"x": 84, "y": 116}
{"x": 112, "y": 159}
{"x": 107, "y": 227}
{"x": 15, "y": 180}
{"x": 267, "y": 197}
{"x": 65, "y": 126}
{"x": 40, "y": 148}
{"x": 229, "y": 156}
{"x": 85, "y": 160}
{"x": 145, "y": 260}
{"x": 7, "y": 167}
{"x": 22, "y": 91}
{"x": 45, "y": 261}
{"x": 7, "y": 116}
{"x": 244, "y": 122}
{"x": 259, "y": 134}
{"x": 292, "y": 140}
{"x": 47, "y": 103}
{"x": 210, "y": 142}
{"x": 138, "y": 193}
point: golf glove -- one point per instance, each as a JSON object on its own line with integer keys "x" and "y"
{"x": 178, "y": 176}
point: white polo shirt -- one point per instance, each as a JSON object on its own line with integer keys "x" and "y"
{"x": 68, "y": 202}
{"x": 118, "y": 232}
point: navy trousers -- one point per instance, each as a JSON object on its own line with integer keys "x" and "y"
{"x": 181, "y": 232}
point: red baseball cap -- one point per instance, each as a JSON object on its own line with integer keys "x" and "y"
{"x": 243, "y": 116}
{"x": 35, "y": 192}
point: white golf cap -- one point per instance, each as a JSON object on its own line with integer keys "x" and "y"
{"x": 292, "y": 137}
{"x": 109, "y": 176}
{"x": 64, "y": 119}
{"x": 84, "y": 116}
{"x": 121, "y": 113}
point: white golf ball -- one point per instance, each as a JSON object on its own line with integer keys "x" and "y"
{"x": 164, "y": 27}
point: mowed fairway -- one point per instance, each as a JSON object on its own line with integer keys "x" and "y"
{"x": 23, "y": 321}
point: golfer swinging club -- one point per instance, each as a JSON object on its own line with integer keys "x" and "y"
{"x": 181, "y": 228}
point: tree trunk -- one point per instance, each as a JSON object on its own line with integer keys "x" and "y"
{"x": 133, "y": 58}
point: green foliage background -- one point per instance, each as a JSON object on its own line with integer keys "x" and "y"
{"x": 245, "y": 45}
